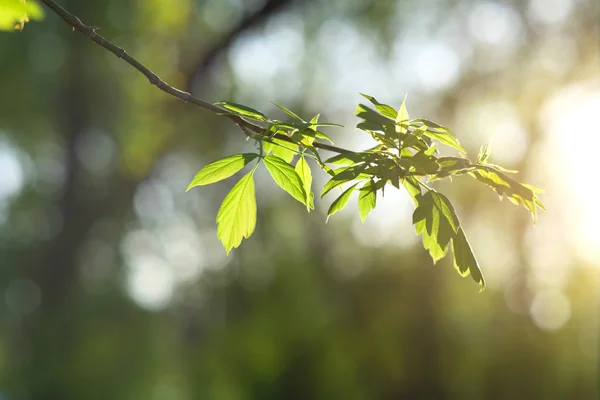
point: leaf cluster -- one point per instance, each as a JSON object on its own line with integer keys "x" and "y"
{"x": 404, "y": 156}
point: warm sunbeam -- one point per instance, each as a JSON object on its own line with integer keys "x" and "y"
{"x": 573, "y": 133}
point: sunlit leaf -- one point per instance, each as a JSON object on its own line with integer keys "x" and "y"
{"x": 439, "y": 132}
{"x": 516, "y": 192}
{"x": 446, "y": 139}
{"x": 464, "y": 259}
{"x": 484, "y": 154}
{"x": 286, "y": 177}
{"x": 237, "y": 215}
{"x": 221, "y": 169}
{"x": 343, "y": 175}
{"x": 402, "y": 119}
{"x": 368, "y": 114}
{"x": 14, "y": 14}
{"x": 243, "y": 110}
{"x": 284, "y": 150}
{"x": 303, "y": 171}
{"x": 367, "y": 199}
{"x": 322, "y": 136}
{"x": 288, "y": 112}
{"x": 412, "y": 186}
{"x": 339, "y": 203}
{"x": 349, "y": 158}
{"x": 435, "y": 219}
{"x": 383, "y": 109}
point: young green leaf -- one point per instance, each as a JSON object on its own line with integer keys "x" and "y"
{"x": 349, "y": 158}
{"x": 368, "y": 114}
{"x": 14, "y": 14}
{"x": 484, "y": 154}
{"x": 435, "y": 219}
{"x": 367, "y": 199}
{"x": 237, "y": 215}
{"x": 243, "y": 110}
{"x": 339, "y": 203}
{"x": 221, "y": 169}
{"x": 438, "y": 132}
{"x": 413, "y": 188}
{"x": 464, "y": 259}
{"x": 286, "y": 177}
{"x": 284, "y": 150}
{"x": 288, "y": 112}
{"x": 383, "y": 109}
{"x": 343, "y": 175}
{"x": 303, "y": 171}
{"x": 516, "y": 192}
{"x": 446, "y": 139}
{"x": 402, "y": 118}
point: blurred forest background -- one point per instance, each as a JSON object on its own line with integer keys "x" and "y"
{"x": 113, "y": 283}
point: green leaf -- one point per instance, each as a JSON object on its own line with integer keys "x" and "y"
{"x": 464, "y": 259}
{"x": 339, "y": 203}
{"x": 484, "y": 154}
{"x": 411, "y": 184}
{"x": 368, "y": 114}
{"x": 221, "y": 169}
{"x": 383, "y": 109}
{"x": 349, "y": 158}
{"x": 383, "y": 139}
{"x": 288, "y": 112}
{"x": 237, "y": 215}
{"x": 303, "y": 171}
{"x": 516, "y": 192}
{"x": 286, "y": 177}
{"x": 370, "y": 126}
{"x": 14, "y": 14}
{"x": 343, "y": 175}
{"x": 282, "y": 149}
{"x": 435, "y": 219}
{"x": 243, "y": 110}
{"x": 367, "y": 199}
{"x": 440, "y": 133}
{"x": 322, "y": 136}
{"x": 402, "y": 118}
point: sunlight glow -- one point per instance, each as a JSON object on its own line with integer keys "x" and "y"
{"x": 570, "y": 118}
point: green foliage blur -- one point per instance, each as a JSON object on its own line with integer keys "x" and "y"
{"x": 113, "y": 283}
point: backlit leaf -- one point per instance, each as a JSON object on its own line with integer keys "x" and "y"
{"x": 383, "y": 109}
{"x": 221, "y": 169}
{"x": 286, "y": 177}
{"x": 402, "y": 118}
{"x": 464, "y": 259}
{"x": 343, "y": 175}
{"x": 303, "y": 171}
{"x": 237, "y": 215}
{"x": 339, "y": 203}
{"x": 367, "y": 199}
{"x": 14, "y": 14}
{"x": 288, "y": 112}
{"x": 243, "y": 110}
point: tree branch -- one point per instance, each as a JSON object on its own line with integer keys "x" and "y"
{"x": 90, "y": 31}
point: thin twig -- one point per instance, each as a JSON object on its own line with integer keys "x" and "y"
{"x": 90, "y": 31}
